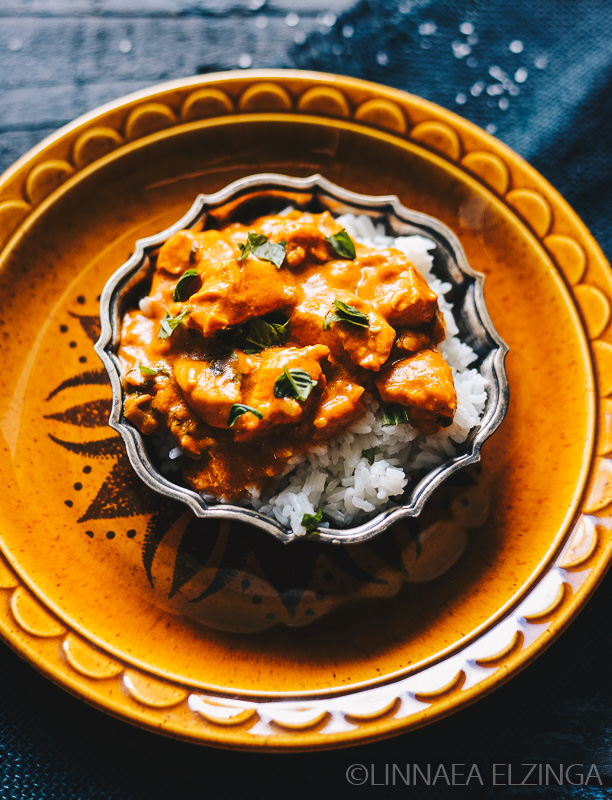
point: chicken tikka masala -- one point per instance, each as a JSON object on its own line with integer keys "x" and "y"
{"x": 257, "y": 342}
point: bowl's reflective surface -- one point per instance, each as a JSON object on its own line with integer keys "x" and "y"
{"x": 254, "y": 196}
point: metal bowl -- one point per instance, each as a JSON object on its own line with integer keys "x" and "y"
{"x": 256, "y": 195}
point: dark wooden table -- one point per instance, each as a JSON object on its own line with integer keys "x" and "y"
{"x": 60, "y": 58}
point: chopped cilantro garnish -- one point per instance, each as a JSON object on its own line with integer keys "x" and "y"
{"x": 312, "y": 521}
{"x": 181, "y": 289}
{"x": 369, "y": 454}
{"x": 342, "y": 244}
{"x": 263, "y": 249}
{"x": 295, "y": 383}
{"x": 169, "y": 323}
{"x": 238, "y": 409}
{"x": 346, "y": 313}
{"x": 151, "y": 372}
{"x": 394, "y": 414}
{"x": 261, "y": 334}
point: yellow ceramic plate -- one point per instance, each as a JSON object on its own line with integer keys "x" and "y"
{"x": 105, "y": 589}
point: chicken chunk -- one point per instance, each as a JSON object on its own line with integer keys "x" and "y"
{"x": 368, "y": 347}
{"x": 187, "y": 248}
{"x": 166, "y": 403}
{"x": 258, "y": 387}
{"x": 210, "y": 387}
{"x": 423, "y": 384}
{"x": 177, "y": 254}
{"x": 234, "y": 291}
{"x": 396, "y": 288}
{"x": 134, "y": 354}
{"x": 224, "y": 473}
{"x": 339, "y": 405}
{"x": 438, "y": 328}
{"x": 303, "y": 234}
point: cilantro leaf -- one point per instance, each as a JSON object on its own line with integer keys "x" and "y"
{"x": 261, "y": 334}
{"x": 394, "y": 414}
{"x": 147, "y": 371}
{"x": 369, "y": 454}
{"x": 258, "y": 334}
{"x": 312, "y": 521}
{"x": 181, "y": 292}
{"x": 230, "y": 337}
{"x": 253, "y": 240}
{"x": 342, "y": 244}
{"x": 238, "y": 409}
{"x": 346, "y": 313}
{"x": 295, "y": 383}
{"x": 271, "y": 251}
{"x": 263, "y": 249}
{"x": 169, "y": 323}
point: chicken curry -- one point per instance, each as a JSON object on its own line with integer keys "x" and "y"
{"x": 256, "y": 343}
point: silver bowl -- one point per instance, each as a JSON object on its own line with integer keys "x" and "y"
{"x": 266, "y": 193}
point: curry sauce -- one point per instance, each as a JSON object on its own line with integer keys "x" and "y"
{"x": 257, "y": 342}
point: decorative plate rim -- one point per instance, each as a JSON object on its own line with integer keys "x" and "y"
{"x": 575, "y": 567}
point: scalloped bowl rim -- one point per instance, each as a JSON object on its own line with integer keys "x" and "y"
{"x": 134, "y": 440}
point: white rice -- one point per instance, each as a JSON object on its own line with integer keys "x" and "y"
{"x": 335, "y": 477}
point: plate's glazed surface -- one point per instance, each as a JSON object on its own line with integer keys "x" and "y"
{"x": 104, "y": 588}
